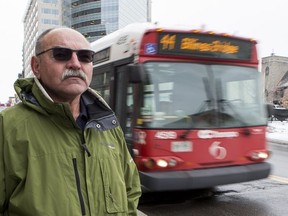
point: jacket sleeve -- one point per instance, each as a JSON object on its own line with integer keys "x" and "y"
{"x": 2, "y": 178}
{"x": 133, "y": 187}
{"x": 132, "y": 180}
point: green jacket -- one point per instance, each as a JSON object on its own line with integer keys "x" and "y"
{"x": 48, "y": 166}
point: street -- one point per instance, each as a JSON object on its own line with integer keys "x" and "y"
{"x": 267, "y": 197}
{"x": 279, "y": 159}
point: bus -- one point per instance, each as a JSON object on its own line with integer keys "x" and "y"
{"x": 190, "y": 104}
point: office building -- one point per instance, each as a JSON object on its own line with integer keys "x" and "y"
{"x": 39, "y": 15}
{"x": 93, "y": 18}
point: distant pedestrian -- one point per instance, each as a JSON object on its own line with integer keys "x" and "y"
{"x": 62, "y": 152}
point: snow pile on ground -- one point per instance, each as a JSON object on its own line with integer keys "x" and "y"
{"x": 277, "y": 131}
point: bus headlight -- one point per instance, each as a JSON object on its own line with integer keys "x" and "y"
{"x": 159, "y": 163}
{"x": 162, "y": 163}
{"x": 259, "y": 155}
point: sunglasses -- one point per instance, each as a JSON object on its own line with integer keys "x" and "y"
{"x": 65, "y": 54}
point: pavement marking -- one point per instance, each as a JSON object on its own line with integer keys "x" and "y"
{"x": 279, "y": 179}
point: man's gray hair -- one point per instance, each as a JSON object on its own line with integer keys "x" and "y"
{"x": 38, "y": 45}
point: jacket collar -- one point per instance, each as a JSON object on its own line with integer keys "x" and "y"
{"x": 33, "y": 94}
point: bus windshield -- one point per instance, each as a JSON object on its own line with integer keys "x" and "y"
{"x": 192, "y": 95}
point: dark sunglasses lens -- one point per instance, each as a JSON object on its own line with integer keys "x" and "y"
{"x": 62, "y": 54}
{"x": 85, "y": 55}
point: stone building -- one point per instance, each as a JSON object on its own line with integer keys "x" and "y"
{"x": 275, "y": 72}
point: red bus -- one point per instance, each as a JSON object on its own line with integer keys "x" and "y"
{"x": 190, "y": 104}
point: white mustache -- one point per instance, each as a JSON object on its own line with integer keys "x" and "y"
{"x": 73, "y": 73}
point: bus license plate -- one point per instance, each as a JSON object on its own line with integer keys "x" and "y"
{"x": 181, "y": 146}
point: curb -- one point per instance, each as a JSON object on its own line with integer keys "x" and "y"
{"x": 278, "y": 141}
{"x": 139, "y": 213}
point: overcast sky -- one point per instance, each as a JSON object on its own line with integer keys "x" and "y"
{"x": 264, "y": 21}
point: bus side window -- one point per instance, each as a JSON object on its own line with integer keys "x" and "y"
{"x": 101, "y": 83}
{"x": 124, "y": 100}
{"x": 129, "y": 111}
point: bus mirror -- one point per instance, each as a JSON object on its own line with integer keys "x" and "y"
{"x": 136, "y": 73}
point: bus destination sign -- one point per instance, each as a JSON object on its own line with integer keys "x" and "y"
{"x": 204, "y": 45}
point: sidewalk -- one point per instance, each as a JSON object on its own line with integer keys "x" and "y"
{"x": 141, "y": 213}
{"x": 277, "y": 138}
{"x": 277, "y": 132}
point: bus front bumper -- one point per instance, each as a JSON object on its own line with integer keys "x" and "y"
{"x": 202, "y": 178}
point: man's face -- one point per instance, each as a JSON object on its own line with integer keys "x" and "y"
{"x": 60, "y": 77}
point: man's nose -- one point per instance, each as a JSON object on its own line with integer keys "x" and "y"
{"x": 74, "y": 62}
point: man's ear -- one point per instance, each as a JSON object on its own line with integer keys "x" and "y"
{"x": 35, "y": 64}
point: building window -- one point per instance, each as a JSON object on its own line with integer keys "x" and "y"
{"x": 50, "y": 1}
{"x": 87, "y": 23}
{"x": 50, "y": 11}
{"x": 267, "y": 71}
{"x": 279, "y": 93}
{"x": 50, "y": 22}
{"x": 86, "y": 12}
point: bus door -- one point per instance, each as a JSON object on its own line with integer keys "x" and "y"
{"x": 124, "y": 103}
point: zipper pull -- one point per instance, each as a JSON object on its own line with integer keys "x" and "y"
{"x": 110, "y": 195}
{"x": 86, "y": 149}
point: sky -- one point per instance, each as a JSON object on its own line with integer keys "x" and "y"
{"x": 264, "y": 21}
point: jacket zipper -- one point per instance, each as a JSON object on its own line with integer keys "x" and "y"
{"x": 83, "y": 211}
{"x": 83, "y": 144}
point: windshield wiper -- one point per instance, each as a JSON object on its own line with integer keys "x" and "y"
{"x": 221, "y": 105}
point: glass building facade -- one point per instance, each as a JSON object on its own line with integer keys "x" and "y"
{"x": 39, "y": 16}
{"x": 96, "y": 18}
{"x": 93, "y": 18}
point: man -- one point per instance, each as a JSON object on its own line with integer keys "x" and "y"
{"x": 62, "y": 152}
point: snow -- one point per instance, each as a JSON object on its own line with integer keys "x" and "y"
{"x": 277, "y": 132}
